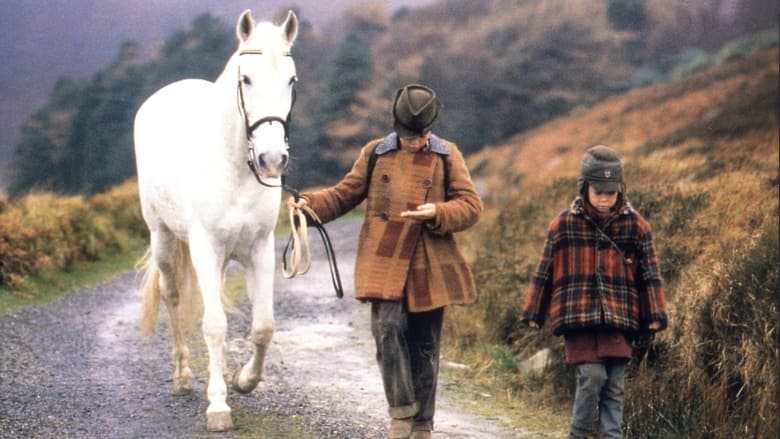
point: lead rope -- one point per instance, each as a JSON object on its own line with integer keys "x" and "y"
{"x": 299, "y": 235}
{"x": 298, "y": 245}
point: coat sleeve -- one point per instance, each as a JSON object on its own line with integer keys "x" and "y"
{"x": 652, "y": 299}
{"x": 332, "y": 202}
{"x": 537, "y": 298}
{"x": 462, "y": 207}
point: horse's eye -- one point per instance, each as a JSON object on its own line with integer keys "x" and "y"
{"x": 293, "y": 80}
{"x": 245, "y": 79}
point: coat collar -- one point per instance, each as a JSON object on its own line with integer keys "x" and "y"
{"x": 390, "y": 143}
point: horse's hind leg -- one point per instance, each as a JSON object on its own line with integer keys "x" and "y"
{"x": 260, "y": 278}
{"x": 167, "y": 253}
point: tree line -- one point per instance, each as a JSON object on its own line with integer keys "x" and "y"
{"x": 500, "y": 67}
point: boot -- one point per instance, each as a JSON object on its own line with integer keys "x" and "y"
{"x": 400, "y": 428}
{"x": 421, "y": 430}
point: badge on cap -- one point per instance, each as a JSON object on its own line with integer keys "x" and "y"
{"x": 607, "y": 173}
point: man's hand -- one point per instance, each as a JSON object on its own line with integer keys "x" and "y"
{"x": 424, "y": 212}
{"x": 533, "y": 324}
{"x": 654, "y": 326}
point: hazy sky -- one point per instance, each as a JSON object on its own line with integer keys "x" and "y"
{"x": 45, "y": 39}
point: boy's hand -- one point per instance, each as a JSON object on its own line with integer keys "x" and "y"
{"x": 424, "y": 212}
{"x": 291, "y": 203}
{"x": 533, "y": 324}
{"x": 654, "y": 326}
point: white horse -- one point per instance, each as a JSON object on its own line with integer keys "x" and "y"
{"x": 203, "y": 204}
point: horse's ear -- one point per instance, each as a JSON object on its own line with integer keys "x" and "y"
{"x": 290, "y": 27}
{"x": 245, "y": 25}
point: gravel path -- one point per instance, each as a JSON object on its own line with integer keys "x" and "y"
{"x": 77, "y": 368}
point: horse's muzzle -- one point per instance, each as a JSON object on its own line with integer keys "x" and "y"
{"x": 272, "y": 165}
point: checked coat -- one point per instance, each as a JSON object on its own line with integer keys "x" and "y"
{"x": 402, "y": 257}
{"x": 592, "y": 276}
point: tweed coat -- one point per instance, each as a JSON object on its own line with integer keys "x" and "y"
{"x": 593, "y": 276}
{"x": 397, "y": 256}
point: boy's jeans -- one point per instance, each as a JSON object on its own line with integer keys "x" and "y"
{"x": 599, "y": 385}
{"x": 407, "y": 350}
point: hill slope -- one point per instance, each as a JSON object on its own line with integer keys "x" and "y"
{"x": 702, "y": 162}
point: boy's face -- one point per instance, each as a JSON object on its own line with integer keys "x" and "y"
{"x": 415, "y": 143}
{"x": 602, "y": 201}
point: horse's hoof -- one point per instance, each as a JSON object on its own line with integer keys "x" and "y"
{"x": 219, "y": 421}
{"x": 236, "y": 383}
{"x": 183, "y": 385}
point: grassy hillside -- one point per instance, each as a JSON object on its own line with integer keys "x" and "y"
{"x": 702, "y": 162}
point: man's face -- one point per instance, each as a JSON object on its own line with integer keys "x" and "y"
{"x": 415, "y": 143}
{"x": 602, "y": 201}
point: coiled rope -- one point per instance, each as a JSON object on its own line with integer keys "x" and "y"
{"x": 299, "y": 250}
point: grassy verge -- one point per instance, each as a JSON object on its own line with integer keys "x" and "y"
{"x": 47, "y": 287}
{"x": 478, "y": 385}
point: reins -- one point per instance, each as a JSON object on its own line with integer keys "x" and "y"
{"x": 298, "y": 246}
{"x": 298, "y": 243}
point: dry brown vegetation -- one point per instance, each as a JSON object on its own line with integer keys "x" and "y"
{"x": 42, "y": 232}
{"x": 702, "y": 165}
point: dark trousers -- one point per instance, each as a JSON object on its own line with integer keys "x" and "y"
{"x": 407, "y": 350}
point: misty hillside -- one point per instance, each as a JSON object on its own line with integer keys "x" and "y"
{"x": 47, "y": 39}
{"x": 500, "y": 67}
{"x": 702, "y": 162}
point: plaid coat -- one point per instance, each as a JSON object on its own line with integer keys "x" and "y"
{"x": 401, "y": 256}
{"x": 591, "y": 277}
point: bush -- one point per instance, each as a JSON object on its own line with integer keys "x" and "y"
{"x": 120, "y": 206}
{"x": 42, "y": 232}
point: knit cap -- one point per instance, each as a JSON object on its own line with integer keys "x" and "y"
{"x": 601, "y": 168}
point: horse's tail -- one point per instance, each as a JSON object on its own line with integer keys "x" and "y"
{"x": 186, "y": 285}
{"x": 150, "y": 287}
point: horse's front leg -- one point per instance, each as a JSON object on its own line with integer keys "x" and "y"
{"x": 259, "y": 284}
{"x": 208, "y": 263}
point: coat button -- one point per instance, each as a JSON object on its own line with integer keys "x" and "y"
{"x": 385, "y": 178}
{"x": 427, "y": 183}
{"x": 384, "y": 216}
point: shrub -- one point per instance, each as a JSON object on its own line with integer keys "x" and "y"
{"x": 120, "y": 206}
{"x": 42, "y": 232}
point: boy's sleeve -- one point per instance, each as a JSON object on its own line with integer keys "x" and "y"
{"x": 537, "y": 299}
{"x": 463, "y": 206}
{"x": 649, "y": 282}
{"x": 332, "y": 202}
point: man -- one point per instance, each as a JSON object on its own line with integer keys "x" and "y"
{"x": 418, "y": 193}
{"x": 598, "y": 279}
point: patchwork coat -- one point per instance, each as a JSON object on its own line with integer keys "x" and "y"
{"x": 397, "y": 256}
{"x": 593, "y": 276}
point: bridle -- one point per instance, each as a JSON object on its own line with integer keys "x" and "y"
{"x": 298, "y": 218}
{"x": 249, "y": 128}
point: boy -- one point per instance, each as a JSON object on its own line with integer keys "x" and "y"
{"x": 598, "y": 279}
{"x": 418, "y": 194}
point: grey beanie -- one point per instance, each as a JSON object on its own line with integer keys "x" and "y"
{"x": 601, "y": 167}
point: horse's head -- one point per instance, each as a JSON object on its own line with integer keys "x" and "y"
{"x": 266, "y": 75}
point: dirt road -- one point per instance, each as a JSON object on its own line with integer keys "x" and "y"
{"x": 77, "y": 368}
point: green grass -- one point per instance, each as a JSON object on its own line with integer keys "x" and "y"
{"x": 485, "y": 389}
{"x": 44, "y": 288}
